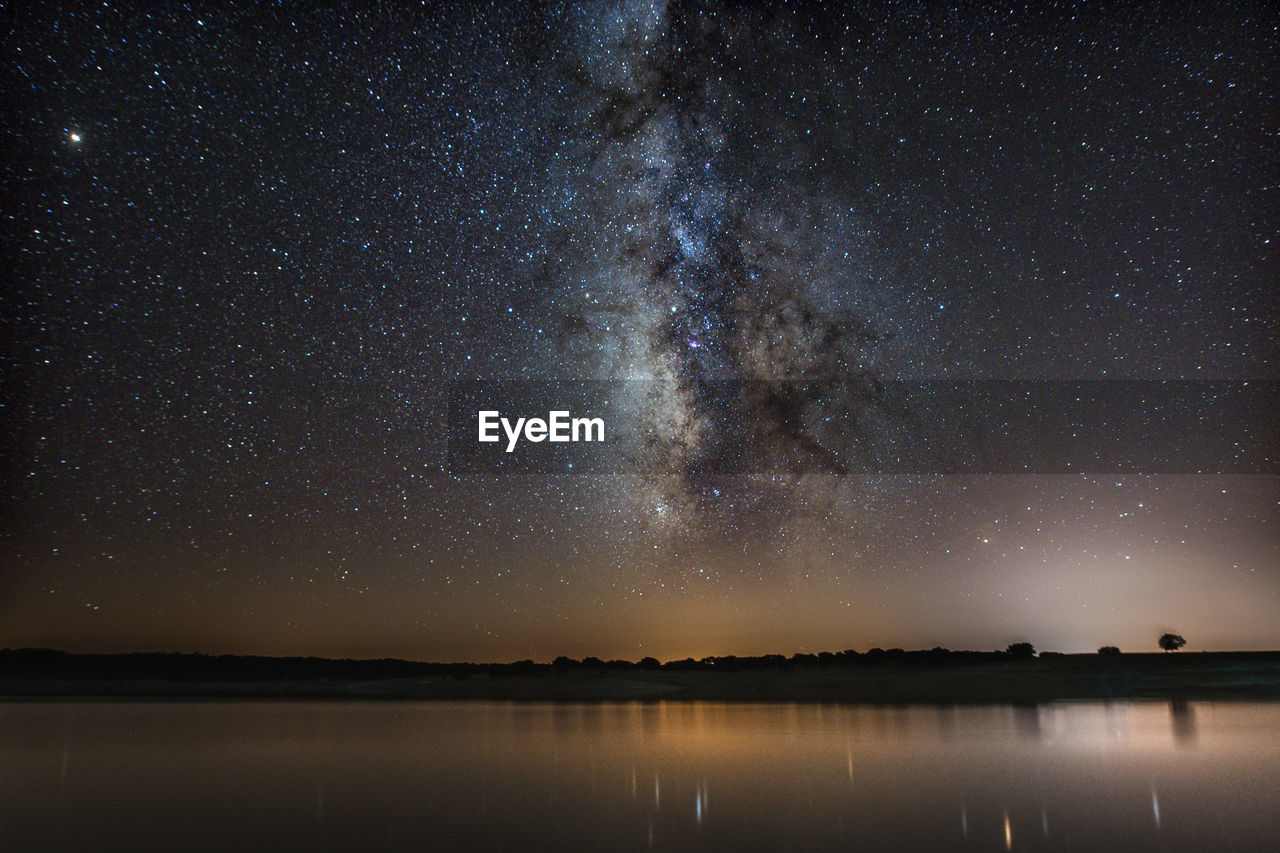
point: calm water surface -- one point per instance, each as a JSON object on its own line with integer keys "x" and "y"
{"x": 669, "y": 776}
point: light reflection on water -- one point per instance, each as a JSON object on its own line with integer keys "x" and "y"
{"x": 672, "y": 776}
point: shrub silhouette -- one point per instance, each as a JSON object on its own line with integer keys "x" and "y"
{"x": 1172, "y": 642}
{"x": 1108, "y": 650}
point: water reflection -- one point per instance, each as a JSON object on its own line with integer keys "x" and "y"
{"x": 462, "y": 776}
{"x": 1026, "y": 719}
{"x": 1184, "y": 721}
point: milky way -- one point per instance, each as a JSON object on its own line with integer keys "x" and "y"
{"x": 724, "y": 273}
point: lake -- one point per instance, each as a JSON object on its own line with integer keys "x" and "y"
{"x": 221, "y": 775}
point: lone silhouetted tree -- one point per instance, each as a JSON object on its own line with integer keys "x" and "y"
{"x": 1172, "y": 642}
{"x": 1021, "y": 650}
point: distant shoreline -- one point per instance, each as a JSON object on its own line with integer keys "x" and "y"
{"x": 893, "y": 677}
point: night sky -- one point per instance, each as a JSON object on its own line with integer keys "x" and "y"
{"x": 249, "y": 249}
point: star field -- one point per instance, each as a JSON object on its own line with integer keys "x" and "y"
{"x": 249, "y": 250}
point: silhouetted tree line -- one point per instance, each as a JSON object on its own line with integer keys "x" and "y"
{"x": 30, "y": 664}
{"x": 49, "y": 664}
